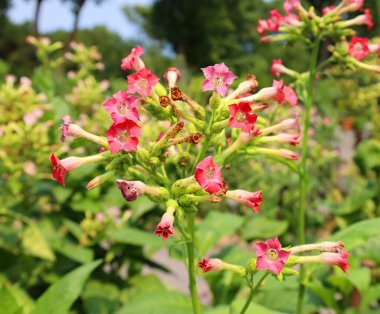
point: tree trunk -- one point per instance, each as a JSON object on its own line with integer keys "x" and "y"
{"x": 37, "y": 17}
{"x": 77, "y": 10}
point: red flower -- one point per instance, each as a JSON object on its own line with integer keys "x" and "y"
{"x": 165, "y": 227}
{"x": 142, "y": 82}
{"x": 275, "y": 68}
{"x": 251, "y": 199}
{"x": 210, "y": 264}
{"x": 338, "y": 259}
{"x": 358, "y": 47}
{"x": 279, "y": 95}
{"x": 270, "y": 256}
{"x": 65, "y": 127}
{"x": 133, "y": 61}
{"x": 122, "y": 106}
{"x": 209, "y": 175}
{"x": 218, "y": 77}
{"x": 242, "y": 116}
{"x": 368, "y": 19}
{"x": 290, "y": 95}
{"x": 274, "y": 20}
{"x": 262, "y": 27}
{"x": 290, "y": 5}
{"x": 124, "y": 135}
{"x": 61, "y": 167}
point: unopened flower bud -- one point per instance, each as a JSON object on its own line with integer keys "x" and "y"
{"x": 99, "y": 180}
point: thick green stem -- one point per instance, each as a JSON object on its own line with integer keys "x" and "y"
{"x": 303, "y": 170}
{"x": 252, "y": 293}
{"x": 206, "y": 141}
{"x": 191, "y": 263}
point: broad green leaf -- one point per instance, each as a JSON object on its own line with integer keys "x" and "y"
{"x": 215, "y": 226}
{"x": 35, "y": 244}
{"x": 61, "y": 295}
{"x": 100, "y": 297}
{"x": 140, "y": 206}
{"x": 221, "y": 309}
{"x": 135, "y": 237}
{"x": 9, "y": 239}
{"x": 158, "y": 303}
{"x": 358, "y": 233}
{"x": 75, "y": 252}
{"x": 8, "y": 302}
{"x": 254, "y": 308}
{"x": 260, "y": 227}
{"x": 360, "y": 278}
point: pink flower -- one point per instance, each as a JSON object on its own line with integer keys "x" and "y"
{"x": 274, "y": 20}
{"x": 65, "y": 127}
{"x": 122, "y": 106}
{"x": 292, "y": 20}
{"x": 130, "y": 189}
{"x": 32, "y": 117}
{"x": 165, "y": 227}
{"x": 133, "y": 61}
{"x": 210, "y": 264}
{"x": 242, "y": 116}
{"x": 288, "y": 154}
{"x": 338, "y": 259}
{"x": 142, "y": 82}
{"x": 276, "y": 66}
{"x": 367, "y": 19}
{"x": 358, "y": 47}
{"x": 328, "y": 9}
{"x": 61, "y": 167}
{"x": 209, "y": 175}
{"x": 353, "y": 5}
{"x": 279, "y": 96}
{"x": 262, "y": 27}
{"x": 374, "y": 48}
{"x": 290, "y": 95}
{"x": 218, "y": 77}
{"x": 270, "y": 256}
{"x": 290, "y": 5}
{"x": 172, "y": 76}
{"x": 285, "y": 138}
{"x": 251, "y": 199}
{"x": 123, "y": 136}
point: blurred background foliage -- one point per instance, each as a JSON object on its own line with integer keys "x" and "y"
{"x": 53, "y": 236}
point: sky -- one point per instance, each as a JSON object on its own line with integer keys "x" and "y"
{"x": 56, "y": 14}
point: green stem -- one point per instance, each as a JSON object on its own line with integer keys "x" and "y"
{"x": 191, "y": 264}
{"x": 252, "y": 293}
{"x": 206, "y": 142}
{"x": 303, "y": 170}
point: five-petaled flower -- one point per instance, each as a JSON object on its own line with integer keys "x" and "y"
{"x": 165, "y": 227}
{"x": 122, "y": 106}
{"x": 142, "y": 82}
{"x": 65, "y": 127}
{"x": 358, "y": 47}
{"x": 123, "y": 136}
{"x": 270, "y": 256}
{"x": 133, "y": 60}
{"x": 209, "y": 175}
{"x": 251, "y": 199}
{"x": 274, "y": 20}
{"x": 218, "y": 77}
{"x": 208, "y": 264}
{"x": 242, "y": 117}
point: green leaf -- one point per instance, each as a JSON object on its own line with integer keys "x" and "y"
{"x": 215, "y": 226}
{"x": 260, "y": 227}
{"x": 358, "y": 233}
{"x": 360, "y": 278}
{"x": 158, "y": 303}
{"x": 254, "y": 308}
{"x": 140, "y": 206}
{"x": 135, "y": 237}
{"x": 61, "y": 295}
{"x": 221, "y": 309}
{"x": 8, "y": 302}
{"x": 75, "y": 252}
{"x": 35, "y": 244}
{"x": 100, "y": 297}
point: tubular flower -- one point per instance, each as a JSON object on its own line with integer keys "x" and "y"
{"x": 209, "y": 175}
{"x": 165, "y": 227}
{"x": 133, "y": 61}
{"x": 292, "y": 20}
{"x": 290, "y": 5}
{"x": 276, "y": 66}
{"x": 142, "y": 82}
{"x": 262, "y": 27}
{"x": 218, "y": 77}
{"x": 279, "y": 95}
{"x": 367, "y": 19}
{"x": 172, "y": 76}
{"x": 123, "y": 136}
{"x": 338, "y": 259}
{"x": 122, "y": 106}
{"x": 274, "y": 20}
{"x": 130, "y": 189}
{"x": 251, "y": 199}
{"x": 210, "y": 264}
{"x": 270, "y": 256}
{"x": 242, "y": 116}
{"x": 374, "y": 48}
{"x": 352, "y": 5}
{"x": 65, "y": 127}
{"x": 290, "y": 95}
{"x": 358, "y": 47}
{"x": 328, "y": 9}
